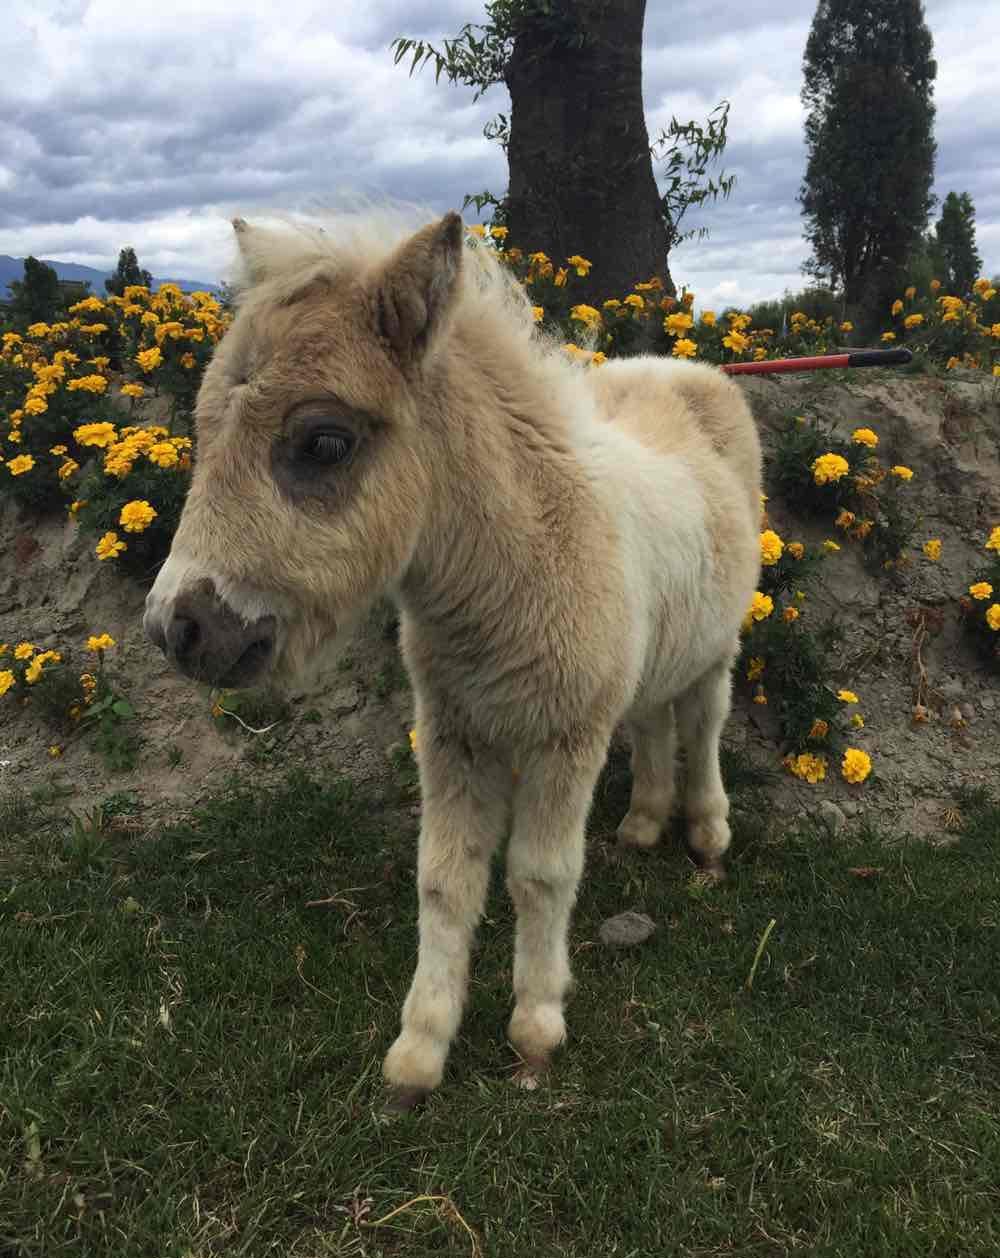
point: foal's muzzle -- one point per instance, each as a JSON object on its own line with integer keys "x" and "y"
{"x": 203, "y": 637}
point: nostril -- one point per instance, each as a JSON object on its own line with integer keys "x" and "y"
{"x": 183, "y": 635}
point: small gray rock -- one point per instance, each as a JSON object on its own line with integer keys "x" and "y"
{"x": 625, "y": 930}
{"x": 968, "y": 711}
{"x": 832, "y": 815}
{"x": 850, "y": 807}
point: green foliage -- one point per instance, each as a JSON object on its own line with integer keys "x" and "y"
{"x": 687, "y": 150}
{"x": 104, "y": 495}
{"x": 869, "y": 75}
{"x": 955, "y": 241}
{"x": 38, "y": 297}
{"x": 107, "y": 720}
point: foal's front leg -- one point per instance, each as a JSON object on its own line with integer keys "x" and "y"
{"x": 464, "y": 815}
{"x": 544, "y": 864}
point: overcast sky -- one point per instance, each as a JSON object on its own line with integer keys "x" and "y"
{"x": 144, "y": 123}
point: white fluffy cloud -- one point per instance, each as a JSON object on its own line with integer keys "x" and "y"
{"x": 132, "y": 122}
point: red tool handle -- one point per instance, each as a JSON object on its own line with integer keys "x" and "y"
{"x": 853, "y": 358}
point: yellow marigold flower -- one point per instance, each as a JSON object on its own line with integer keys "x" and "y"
{"x": 6, "y": 681}
{"x": 635, "y": 301}
{"x": 684, "y": 348}
{"x": 611, "y": 304}
{"x": 858, "y": 721}
{"x": 847, "y": 696}
{"x": 856, "y": 765}
{"x": 830, "y": 546}
{"x": 847, "y": 326}
{"x": 904, "y": 473}
{"x": 820, "y": 729}
{"x": 994, "y": 539}
{"x": 755, "y": 668}
{"x": 771, "y": 547}
{"x": 865, "y": 437}
{"x": 993, "y": 617}
{"x": 100, "y": 362}
{"x": 649, "y": 286}
{"x": 498, "y": 233}
{"x": 74, "y": 507}
{"x": 14, "y": 435}
{"x": 796, "y": 549}
{"x": 910, "y": 293}
{"x": 790, "y": 614}
{"x": 187, "y": 361}
{"x": 38, "y": 330}
{"x": 897, "y": 307}
{"x": 4, "y": 648}
{"x": 952, "y": 363}
{"x": 137, "y": 516}
{"x": 35, "y": 406}
{"x": 413, "y": 741}
{"x": 829, "y": 468}
{"x": 580, "y": 265}
{"x": 762, "y": 606}
{"x": 24, "y": 650}
{"x": 759, "y": 696}
{"x": 34, "y": 670}
{"x": 100, "y": 435}
{"x": 55, "y": 751}
{"x": 759, "y": 354}
{"x": 708, "y": 318}
{"x": 913, "y": 321}
{"x": 980, "y": 286}
{"x": 87, "y": 680}
{"x": 598, "y": 358}
{"x": 995, "y": 331}
{"x": 810, "y": 768}
{"x": 133, "y": 390}
{"x": 586, "y": 314}
{"x": 20, "y": 464}
{"x": 93, "y": 329}
{"x": 736, "y": 341}
{"x": 538, "y": 312}
{"x": 58, "y": 450}
{"x": 981, "y": 590}
{"x": 561, "y": 276}
{"x": 932, "y": 549}
{"x": 149, "y": 359}
{"x": 110, "y": 547}
{"x": 888, "y": 336}
{"x": 845, "y": 519}
{"x": 99, "y": 642}
{"x": 674, "y": 324}
{"x": 67, "y": 469}
{"x": 475, "y": 229}
{"x": 935, "y": 285}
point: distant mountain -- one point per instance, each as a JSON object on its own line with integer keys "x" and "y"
{"x": 13, "y": 269}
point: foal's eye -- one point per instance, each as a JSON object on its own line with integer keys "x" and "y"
{"x": 329, "y": 447}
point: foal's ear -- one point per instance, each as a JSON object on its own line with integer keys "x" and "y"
{"x": 414, "y": 291}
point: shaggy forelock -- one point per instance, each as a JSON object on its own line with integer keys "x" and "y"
{"x": 283, "y": 257}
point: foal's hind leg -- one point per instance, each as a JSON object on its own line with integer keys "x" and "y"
{"x": 701, "y": 713}
{"x": 654, "y": 744}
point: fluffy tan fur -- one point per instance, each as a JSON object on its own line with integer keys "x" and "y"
{"x": 570, "y": 548}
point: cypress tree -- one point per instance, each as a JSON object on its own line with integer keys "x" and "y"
{"x": 868, "y": 85}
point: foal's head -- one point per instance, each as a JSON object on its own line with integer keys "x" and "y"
{"x": 313, "y": 470}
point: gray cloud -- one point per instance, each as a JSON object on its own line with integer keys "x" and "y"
{"x": 131, "y": 122}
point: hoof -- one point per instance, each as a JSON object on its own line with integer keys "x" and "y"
{"x": 713, "y": 871}
{"x": 403, "y": 1100}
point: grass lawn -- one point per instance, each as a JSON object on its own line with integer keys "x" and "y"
{"x": 189, "y": 1052}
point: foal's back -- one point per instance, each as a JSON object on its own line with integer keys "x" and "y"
{"x": 689, "y": 411}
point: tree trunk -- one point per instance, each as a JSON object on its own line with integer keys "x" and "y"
{"x": 581, "y": 175}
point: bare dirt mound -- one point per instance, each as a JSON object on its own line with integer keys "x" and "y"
{"x": 901, "y": 635}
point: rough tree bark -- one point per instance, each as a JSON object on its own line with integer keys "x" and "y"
{"x": 581, "y": 174}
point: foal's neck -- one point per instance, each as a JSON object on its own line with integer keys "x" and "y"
{"x": 508, "y": 488}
